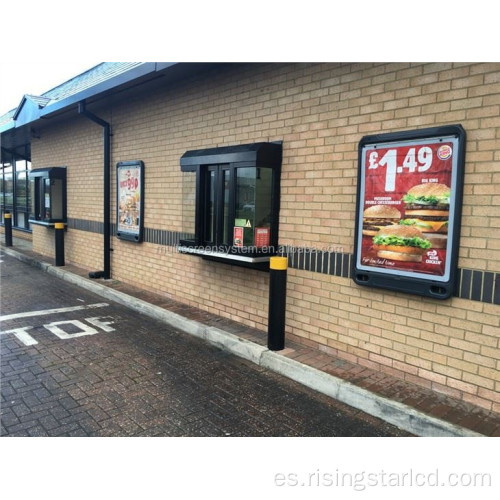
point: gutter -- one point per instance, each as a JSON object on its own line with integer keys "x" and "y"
{"x": 96, "y": 90}
{"x": 106, "y": 128}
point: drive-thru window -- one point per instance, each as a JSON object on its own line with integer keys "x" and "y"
{"x": 49, "y": 196}
{"x": 231, "y": 202}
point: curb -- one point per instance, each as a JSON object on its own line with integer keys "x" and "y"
{"x": 392, "y": 412}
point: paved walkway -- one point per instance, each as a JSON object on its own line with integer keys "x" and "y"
{"x": 409, "y": 406}
{"x": 73, "y": 364}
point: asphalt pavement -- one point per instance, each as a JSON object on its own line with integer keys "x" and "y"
{"x": 75, "y": 364}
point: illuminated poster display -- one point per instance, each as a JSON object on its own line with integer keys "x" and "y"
{"x": 408, "y": 210}
{"x": 130, "y": 200}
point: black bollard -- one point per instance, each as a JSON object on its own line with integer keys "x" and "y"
{"x": 277, "y": 303}
{"x": 8, "y": 229}
{"x": 59, "y": 227}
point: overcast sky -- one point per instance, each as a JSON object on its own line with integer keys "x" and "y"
{"x": 19, "y": 78}
{"x": 318, "y": 30}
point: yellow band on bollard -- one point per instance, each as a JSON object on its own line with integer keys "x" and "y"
{"x": 8, "y": 216}
{"x": 278, "y": 263}
{"x": 59, "y": 225}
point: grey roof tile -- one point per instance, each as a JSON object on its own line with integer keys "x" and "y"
{"x": 40, "y": 100}
{"x": 94, "y": 76}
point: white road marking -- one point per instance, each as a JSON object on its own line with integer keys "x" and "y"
{"x": 103, "y": 325}
{"x": 56, "y": 330}
{"x": 22, "y": 335}
{"x": 45, "y": 312}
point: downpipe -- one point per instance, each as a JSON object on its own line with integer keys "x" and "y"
{"x": 106, "y": 128}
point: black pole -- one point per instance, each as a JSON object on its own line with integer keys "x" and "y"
{"x": 106, "y": 274}
{"x": 107, "y": 203}
{"x": 8, "y": 229}
{"x": 59, "y": 227}
{"x": 277, "y": 303}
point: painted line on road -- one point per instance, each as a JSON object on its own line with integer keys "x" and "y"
{"x": 22, "y": 335}
{"x": 45, "y": 312}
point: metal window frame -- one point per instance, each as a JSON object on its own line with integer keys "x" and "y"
{"x": 13, "y": 158}
{"x": 263, "y": 155}
{"x": 52, "y": 173}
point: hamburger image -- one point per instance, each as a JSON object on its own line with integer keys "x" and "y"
{"x": 376, "y": 217}
{"x": 400, "y": 242}
{"x": 427, "y": 207}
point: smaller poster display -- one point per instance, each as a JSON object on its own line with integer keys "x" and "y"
{"x": 238, "y": 236}
{"x": 409, "y": 209}
{"x": 130, "y": 200}
{"x": 262, "y": 236}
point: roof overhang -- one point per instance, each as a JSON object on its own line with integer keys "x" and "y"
{"x": 18, "y": 130}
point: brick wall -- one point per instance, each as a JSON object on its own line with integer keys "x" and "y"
{"x": 17, "y": 234}
{"x": 320, "y": 111}
{"x": 43, "y": 240}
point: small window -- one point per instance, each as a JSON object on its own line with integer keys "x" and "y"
{"x": 188, "y": 206}
{"x": 230, "y": 204}
{"x": 48, "y": 199}
{"x": 253, "y": 204}
{"x": 15, "y": 190}
{"x": 8, "y": 188}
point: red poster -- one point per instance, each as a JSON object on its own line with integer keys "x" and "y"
{"x": 406, "y": 205}
{"x": 262, "y": 235}
{"x": 238, "y": 236}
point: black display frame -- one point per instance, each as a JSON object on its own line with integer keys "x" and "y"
{"x": 418, "y": 284}
{"x": 135, "y": 236}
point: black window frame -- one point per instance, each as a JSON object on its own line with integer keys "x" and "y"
{"x": 11, "y": 159}
{"x": 258, "y": 155}
{"x": 43, "y": 177}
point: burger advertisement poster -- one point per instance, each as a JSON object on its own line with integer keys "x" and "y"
{"x": 130, "y": 199}
{"x": 409, "y": 201}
